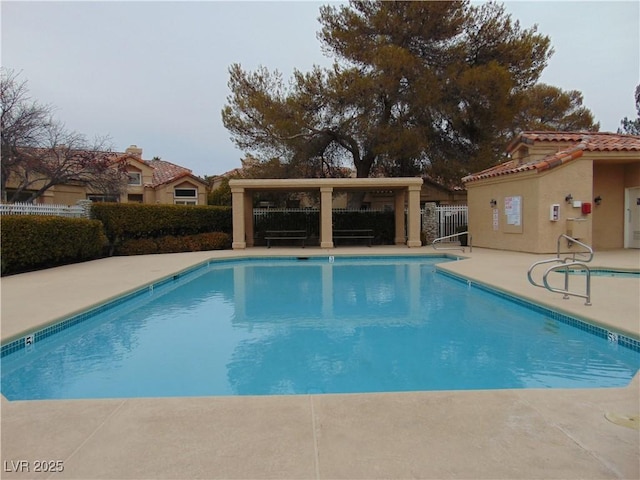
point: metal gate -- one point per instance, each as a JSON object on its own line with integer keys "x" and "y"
{"x": 451, "y": 218}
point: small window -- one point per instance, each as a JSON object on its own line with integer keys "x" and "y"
{"x": 186, "y": 192}
{"x": 134, "y": 198}
{"x": 135, "y": 178}
{"x": 23, "y": 196}
{"x": 102, "y": 198}
{"x": 186, "y": 202}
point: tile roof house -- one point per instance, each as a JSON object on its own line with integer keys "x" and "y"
{"x": 159, "y": 181}
{"x": 149, "y": 181}
{"x": 584, "y": 184}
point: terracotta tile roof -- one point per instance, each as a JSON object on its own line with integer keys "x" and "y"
{"x": 588, "y": 142}
{"x": 594, "y": 141}
{"x": 165, "y": 172}
{"x": 236, "y": 172}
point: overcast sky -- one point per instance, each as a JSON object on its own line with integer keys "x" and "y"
{"x": 155, "y": 73}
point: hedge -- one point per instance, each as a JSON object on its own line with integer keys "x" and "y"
{"x": 173, "y": 244}
{"x": 128, "y": 221}
{"x": 31, "y": 242}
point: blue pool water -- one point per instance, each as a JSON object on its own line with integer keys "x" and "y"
{"x": 604, "y": 272}
{"x": 297, "y": 326}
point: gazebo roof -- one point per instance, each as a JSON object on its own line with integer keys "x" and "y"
{"x": 395, "y": 183}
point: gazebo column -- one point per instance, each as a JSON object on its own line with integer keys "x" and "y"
{"x": 399, "y": 216}
{"x": 238, "y": 218}
{"x": 326, "y": 217}
{"x": 413, "y": 217}
{"x": 248, "y": 217}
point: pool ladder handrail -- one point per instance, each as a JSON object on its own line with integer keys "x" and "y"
{"x": 439, "y": 239}
{"x": 565, "y": 263}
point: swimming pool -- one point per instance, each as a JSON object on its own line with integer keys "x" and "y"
{"x": 603, "y": 272}
{"x": 314, "y": 325}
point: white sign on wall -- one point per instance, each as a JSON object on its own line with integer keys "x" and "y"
{"x": 513, "y": 210}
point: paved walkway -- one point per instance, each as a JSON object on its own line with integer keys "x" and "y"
{"x": 468, "y": 434}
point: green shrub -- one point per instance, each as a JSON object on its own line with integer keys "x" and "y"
{"x": 126, "y": 221}
{"x": 171, "y": 244}
{"x": 137, "y": 246}
{"x": 221, "y": 195}
{"x": 31, "y": 242}
{"x": 174, "y": 244}
{"x": 213, "y": 241}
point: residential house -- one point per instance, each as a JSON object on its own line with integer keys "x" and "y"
{"x": 149, "y": 181}
{"x": 582, "y": 184}
{"x": 161, "y": 182}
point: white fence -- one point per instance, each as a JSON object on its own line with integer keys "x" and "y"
{"x": 72, "y": 211}
{"x": 450, "y": 218}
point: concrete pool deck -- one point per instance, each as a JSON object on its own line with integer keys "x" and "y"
{"x": 557, "y": 433}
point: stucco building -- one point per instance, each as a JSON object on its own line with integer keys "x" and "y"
{"x": 149, "y": 181}
{"x": 161, "y": 182}
{"x": 583, "y": 184}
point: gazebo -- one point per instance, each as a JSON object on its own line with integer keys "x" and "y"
{"x": 406, "y": 193}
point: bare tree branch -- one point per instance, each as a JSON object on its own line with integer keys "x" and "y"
{"x": 39, "y": 153}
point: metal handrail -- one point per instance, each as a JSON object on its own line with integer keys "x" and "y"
{"x": 566, "y": 291}
{"x": 574, "y": 253}
{"x": 439, "y": 239}
{"x": 541, "y": 262}
{"x": 565, "y": 263}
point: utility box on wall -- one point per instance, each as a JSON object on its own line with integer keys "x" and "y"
{"x": 577, "y": 228}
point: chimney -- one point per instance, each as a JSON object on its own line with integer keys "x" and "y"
{"x": 134, "y": 150}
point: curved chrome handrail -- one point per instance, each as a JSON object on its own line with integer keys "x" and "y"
{"x": 439, "y": 239}
{"x": 566, "y": 291}
{"x": 541, "y": 262}
{"x": 574, "y": 253}
{"x": 565, "y": 263}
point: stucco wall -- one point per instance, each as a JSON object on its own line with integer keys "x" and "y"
{"x": 608, "y": 217}
{"x": 165, "y": 193}
{"x": 610, "y": 181}
{"x": 537, "y": 191}
{"x": 632, "y": 175}
{"x": 64, "y": 194}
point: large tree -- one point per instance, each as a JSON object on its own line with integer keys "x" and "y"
{"x": 545, "y": 107}
{"x": 38, "y": 152}
{"x": 629, "y": 126}
{"x": 416, "y": 86}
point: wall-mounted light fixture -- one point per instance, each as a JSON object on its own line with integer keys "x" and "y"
{"x": 568, "y": 198}
{"x": 493, "y": 203}
{"x": 597, "y": 200}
